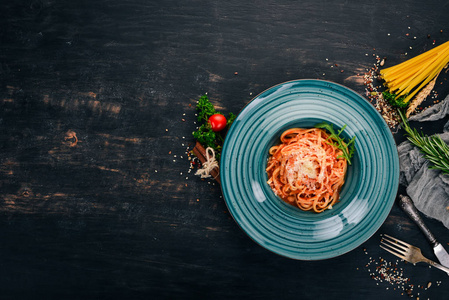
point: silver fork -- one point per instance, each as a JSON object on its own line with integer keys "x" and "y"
{"x": 407, "y": 252}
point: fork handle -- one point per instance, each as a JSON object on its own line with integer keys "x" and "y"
{"x": 407, "y": 205}
{"x": 437, "y": 265}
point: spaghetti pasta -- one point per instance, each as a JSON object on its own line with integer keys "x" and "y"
{"x": 306, "y": 170}
{"x": 409, "y": 77}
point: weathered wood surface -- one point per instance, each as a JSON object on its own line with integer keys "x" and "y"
{"x": 97, "y": 108}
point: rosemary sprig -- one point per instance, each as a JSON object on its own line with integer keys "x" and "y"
{"x": 434, "y": 149}
{"x": 347, "y": 148}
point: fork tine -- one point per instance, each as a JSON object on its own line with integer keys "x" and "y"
{"x": 393, "y": 247}
{"x": 398, "y": 241}
{"x": 394, "y": 244}
{"x": 393, "y": 252}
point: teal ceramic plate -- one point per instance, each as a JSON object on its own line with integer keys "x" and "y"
{"x": 366, "y": 197}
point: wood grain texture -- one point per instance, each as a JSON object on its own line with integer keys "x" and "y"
{"x": 96, "y": 113}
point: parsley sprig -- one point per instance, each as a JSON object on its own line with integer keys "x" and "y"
{"x": 348, "y": 149}
{"x": 434, "y": 148}
{"x": 204, "y": 134}
{"x": 394, "y": 100}
{"x": 205, "y": 108}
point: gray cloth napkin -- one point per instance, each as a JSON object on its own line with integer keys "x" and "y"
{"x": 428, "y": 188}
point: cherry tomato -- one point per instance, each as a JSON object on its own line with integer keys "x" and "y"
{"x": 217, "y": 122}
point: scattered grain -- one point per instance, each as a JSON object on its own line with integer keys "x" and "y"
{"x": 373, "y": 87}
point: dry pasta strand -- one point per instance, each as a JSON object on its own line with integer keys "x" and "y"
{"x": 409, "y": 77}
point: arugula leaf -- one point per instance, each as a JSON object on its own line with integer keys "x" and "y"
{"x": 394, "y": 100}
{"x": 348, "y": 149}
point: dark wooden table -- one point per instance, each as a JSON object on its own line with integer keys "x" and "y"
{"x": 97, "y": 109}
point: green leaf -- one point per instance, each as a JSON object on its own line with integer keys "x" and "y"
{"x": 434, "y": 149}
{"x": 348, "y": 149}
{"x": 205, "y": 108}
{"x": 204, "y": 134}
{"x": 394, "y": 100}
{"x": 231, "y": 118}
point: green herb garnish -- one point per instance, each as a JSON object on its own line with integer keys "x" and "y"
{"x": 205, "y": 108}
{"x": 205, "y": 135}
{"x": 434, "y": 148}
{"x": 348, "y": 149}
{"x": 231, "y": 119}
{"x": 394, "y": 100}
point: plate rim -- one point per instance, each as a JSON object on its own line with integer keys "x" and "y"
{"x": 394, "y": 190}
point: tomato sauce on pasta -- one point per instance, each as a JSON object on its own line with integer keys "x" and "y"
{"x": 306, "y": 169}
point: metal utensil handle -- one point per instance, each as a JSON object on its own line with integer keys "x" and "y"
{"x": 407, "y": 205}
{"x": 438, "y": 266}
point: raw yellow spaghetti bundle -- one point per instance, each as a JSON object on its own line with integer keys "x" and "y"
{"x": 408, "y": 78}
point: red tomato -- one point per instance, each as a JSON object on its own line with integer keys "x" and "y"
{"x": 217, "y": 122}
